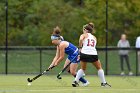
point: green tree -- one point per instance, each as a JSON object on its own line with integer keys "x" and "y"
{"x": 31, "y": 22}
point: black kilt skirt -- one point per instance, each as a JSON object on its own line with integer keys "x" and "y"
{"x": 88, "y": 58}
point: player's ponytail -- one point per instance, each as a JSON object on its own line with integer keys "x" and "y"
{"x": 57, "y": 32}
{"x": 88, "y": 28}
{"x": 91, "y": 25}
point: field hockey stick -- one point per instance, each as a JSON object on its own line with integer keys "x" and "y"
{"x": 31, "y": 80}
{"x": 58, "y": 76}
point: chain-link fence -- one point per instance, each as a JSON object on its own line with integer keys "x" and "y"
{"x": 27, "y": 60}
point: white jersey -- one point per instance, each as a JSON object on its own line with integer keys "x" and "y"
{"x": 89, "y": 45}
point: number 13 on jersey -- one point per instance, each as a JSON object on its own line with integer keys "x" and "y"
{"x": 91, "y": 42}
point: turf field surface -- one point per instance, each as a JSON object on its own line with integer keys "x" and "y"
{"x": 49, "y": 84}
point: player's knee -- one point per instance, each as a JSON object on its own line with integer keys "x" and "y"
{"x": 83, "y": 68}
{"x": 98, "y": 65}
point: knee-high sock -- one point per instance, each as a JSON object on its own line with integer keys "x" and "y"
{"x": 101, "y": 75}
{"x": 80, "y": 73}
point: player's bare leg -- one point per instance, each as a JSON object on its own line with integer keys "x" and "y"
{"x": 98, "y": 66}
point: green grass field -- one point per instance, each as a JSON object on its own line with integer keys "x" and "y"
{"x": 49, "y": 84}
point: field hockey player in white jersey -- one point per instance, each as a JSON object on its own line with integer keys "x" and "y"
{"x": 89, "y": 54}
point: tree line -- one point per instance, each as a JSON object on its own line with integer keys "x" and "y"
{"x": 31, "y": 22}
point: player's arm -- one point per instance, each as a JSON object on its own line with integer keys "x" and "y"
{"x": 61, "y": 54}
{"x": 95, "y": 38}
{"x": 55, "y": 58}
{"x": 81, "y": 40}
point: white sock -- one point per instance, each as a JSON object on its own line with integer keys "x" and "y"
{"x": 79, "y": 74}
{"x": 101, "y": 75}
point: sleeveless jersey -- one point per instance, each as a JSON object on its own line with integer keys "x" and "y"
{"x": 89, "y": 45}
{"x": 71, "y": 49}
{"x": 72, "y": 52}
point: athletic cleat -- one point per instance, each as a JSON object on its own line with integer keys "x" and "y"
{"x": 105, "y": 85}
{"x": 75, "y": 84}
{"x": 85, "y": 84}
